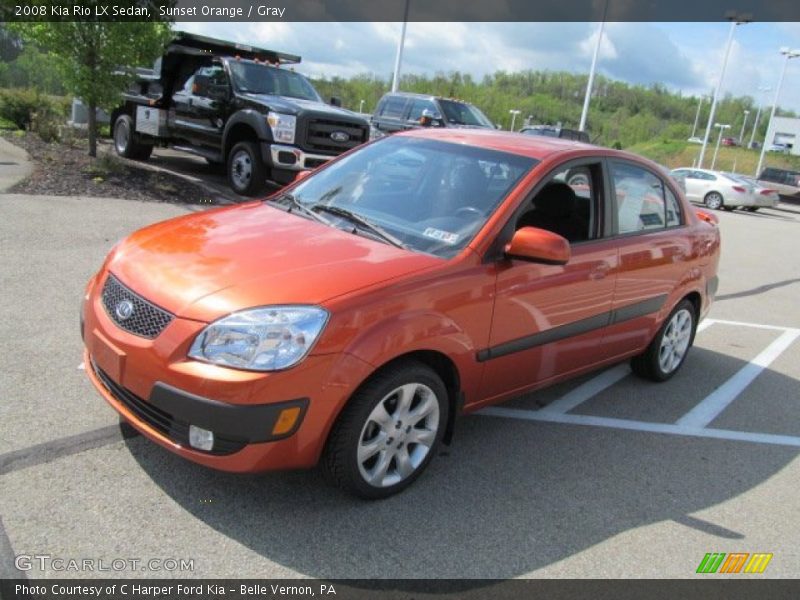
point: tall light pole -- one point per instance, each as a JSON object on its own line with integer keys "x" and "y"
{"x": 588, "y": 96}
{"x": 789, "y": 54}
{"x": 722, "y": 127}
{"x": 697, "y": 116}
{"x": 741, "y": 135}
{"x": 736, "y": 20}
{"x": 513, "y": 113}
{"x": 758, "y": 115}
{"x": 399, "y": 57}
{"x": 361, "y": 106}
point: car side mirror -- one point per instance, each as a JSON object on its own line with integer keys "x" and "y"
{"x": 300, "y": 175}
{"x": 538, "y": 245}
{"x": 336, "y": 101}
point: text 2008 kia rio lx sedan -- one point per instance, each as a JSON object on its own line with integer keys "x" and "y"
{"x": 350, "y": 318}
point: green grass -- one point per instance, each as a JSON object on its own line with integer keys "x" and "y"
{"x": 6, "y": 124}
{"x": 676, "y": 153}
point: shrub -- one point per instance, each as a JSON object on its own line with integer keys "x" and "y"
{"x": 18, "y": 105}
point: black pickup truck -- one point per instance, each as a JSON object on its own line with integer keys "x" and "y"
{"x": 235, "y": 105}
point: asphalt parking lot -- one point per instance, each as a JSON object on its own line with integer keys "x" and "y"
{"x": 606, "y": 476}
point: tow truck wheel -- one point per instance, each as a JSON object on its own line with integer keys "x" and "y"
{"x": 124, "y": 142}
{"x": 246, "y": 173}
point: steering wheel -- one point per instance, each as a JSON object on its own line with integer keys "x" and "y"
{"x": 469, "y": 211}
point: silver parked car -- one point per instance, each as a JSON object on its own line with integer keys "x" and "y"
{"x": 715, "y": 189}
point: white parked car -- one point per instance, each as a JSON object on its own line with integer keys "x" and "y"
{"x": 764, "y": 197}
{"x": 717, "y": 190}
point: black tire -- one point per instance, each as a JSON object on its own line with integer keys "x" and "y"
{"x": 753, "y": 208}
{"x": 648, "y": 364}
{"x": 714, "y": 201}
{"x": 247, "y": 175}
{"x": 341, "y": 463}
{"x": 125, "y": 142}
{"x": 729, "y": 208}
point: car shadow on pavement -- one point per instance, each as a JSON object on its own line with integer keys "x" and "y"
{"x": 507, "y": 498}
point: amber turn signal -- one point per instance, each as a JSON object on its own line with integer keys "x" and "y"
{"x": 286, "y": 420}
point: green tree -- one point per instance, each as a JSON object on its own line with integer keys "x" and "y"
{"x": 91, "y": 57}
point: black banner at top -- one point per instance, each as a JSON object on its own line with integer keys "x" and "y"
{"x": 399, "y": 10}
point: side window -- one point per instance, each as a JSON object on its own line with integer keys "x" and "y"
{"x": 673, "y": 209}
{"x": 565, "y": 205}
{"x": 640, "y": 198}
{"x": 394, "y": 107}
{"x": 418, "y": 106}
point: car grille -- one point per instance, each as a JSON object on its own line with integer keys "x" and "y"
{"x": 318, "y": 135}
{"x": 146, "y": 320}
{"x": 162, "y": 421}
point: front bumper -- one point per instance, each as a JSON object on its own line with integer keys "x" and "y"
{"x": 160, "y": 392}
{"x": 292, "y": 158}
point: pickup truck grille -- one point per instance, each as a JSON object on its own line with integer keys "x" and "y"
{"x": 318, "y": 136}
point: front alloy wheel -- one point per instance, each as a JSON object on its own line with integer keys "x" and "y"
{"x": 714, "y": 201}
{"x": 388, "y": 432}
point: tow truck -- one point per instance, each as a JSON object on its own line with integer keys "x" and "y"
{"x": 235, "y": 105}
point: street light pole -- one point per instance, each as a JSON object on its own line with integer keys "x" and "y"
{"x": 713, "y": 111}
{"x": 789, "y": 54}
{"x": 722, "y": 127}
{"x": 758, "y": 116}
{"x": 399, "y": 57}
{"x": 741, "y": 135}
{"x": 590, "y": 83}
{"x": 697, "y": 116}
{"x": 513, "y": 114}
{"x": 361, "y": 106}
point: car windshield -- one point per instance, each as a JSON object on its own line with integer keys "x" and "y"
{"x": 460, "y": 113}
{"x": 427, "y": 195}
{"x": 257, "y": 78}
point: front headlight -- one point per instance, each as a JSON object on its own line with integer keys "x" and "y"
{"x": 261, "y": 339}
{"x": 282, "y": 126}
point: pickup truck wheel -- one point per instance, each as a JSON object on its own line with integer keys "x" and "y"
{"x": 246, "y": 173}
{"x": 666, "y": 353}
{"x": 124, "y": 142}
{"x": 388, "y": 432}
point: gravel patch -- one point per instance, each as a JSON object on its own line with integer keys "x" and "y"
{"x": 66, "y": 169}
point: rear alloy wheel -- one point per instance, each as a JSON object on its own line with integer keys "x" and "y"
{"x": 714, "y": 201}
{"x": 388, "y": 433}
{"x": 666, "y": 353}
{"x": 246, "y": 173}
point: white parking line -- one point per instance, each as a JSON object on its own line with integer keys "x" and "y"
{"x": 668, "y": 428}
{"x": 718, "y": 400}
{"x": 587, "y": 390}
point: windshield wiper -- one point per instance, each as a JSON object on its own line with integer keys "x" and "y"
{"x": 359, "y": 220}
{"x": 295, "y": 203}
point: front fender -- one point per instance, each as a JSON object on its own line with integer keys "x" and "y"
{"x": 417, "y": 331}
{"x": 254, "y": 119}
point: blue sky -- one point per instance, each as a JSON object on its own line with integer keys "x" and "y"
{"x": 683, "y": 56}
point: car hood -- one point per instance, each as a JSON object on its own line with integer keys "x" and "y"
{"x": 206, "y": 265}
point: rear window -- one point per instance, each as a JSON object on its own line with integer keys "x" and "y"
{"x": 393, "y": 107}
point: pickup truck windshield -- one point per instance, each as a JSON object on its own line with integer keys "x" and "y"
{"x": 428, "y": 196}
{"x": 459, "y": 113}
{"x": 254, "y": 78}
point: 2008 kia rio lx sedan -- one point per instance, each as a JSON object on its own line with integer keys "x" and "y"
{"x": 350, "y": 318}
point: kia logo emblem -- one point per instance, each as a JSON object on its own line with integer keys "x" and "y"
{"x": 124, "y": 309}
{"x": 340, "y": 136}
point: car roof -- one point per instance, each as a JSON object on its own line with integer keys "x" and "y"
{"x": 424, "y": 96}
{"x": 533, "y": 146}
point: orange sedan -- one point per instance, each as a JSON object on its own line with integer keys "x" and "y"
{"x": 352, "y": 316}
